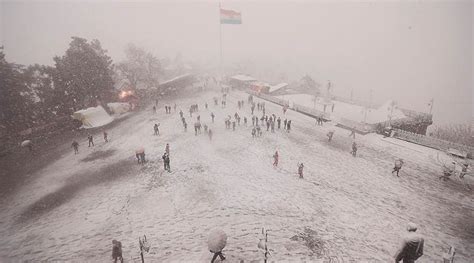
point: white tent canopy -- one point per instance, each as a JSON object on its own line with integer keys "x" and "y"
{"x": 93, "y": 117}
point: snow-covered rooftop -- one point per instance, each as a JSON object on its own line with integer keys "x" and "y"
{"x": 349, "y": 111}
{"x": 176, "y": 78}
{"x": 243, "y": 78}
{"x": 278, "y": 86}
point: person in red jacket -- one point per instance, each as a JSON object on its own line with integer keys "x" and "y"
{"x": 411, "y": 247}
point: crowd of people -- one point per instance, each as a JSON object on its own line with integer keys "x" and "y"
{"x": 412, "y": 245}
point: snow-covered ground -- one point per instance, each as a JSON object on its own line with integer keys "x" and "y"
{"x": 346, "y": 208}
{"x": 346, "y": 110}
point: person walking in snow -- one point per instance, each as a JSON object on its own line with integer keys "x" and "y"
{"x": 268, "y": 125}
{"x": 278, "y": 122}
{"x": 205, "y": 105}
{"x": 254, "y": 132}
{"x": 284, "y": 123}
{"x": 398, "y": 166}
{"x": 259, "y": 131}
{"x": 275, "y": 159}
{"x": 166, "y": 162}
{"x": 300, "y": 170}
{"x": 181, "y": 113}
{"x": 154, "y": 109}
{"x": 245, "y": 121}
{"x": 272, "y": 125}
{"x": 353, "y": 133}
{"x": 106, "y": 137}
{"x": 288, "y": 126}
{"x": 330, "y": 134}
{"x": 354, "y": 149}
{"x": 167, "y": 149}
{"x": 185, "y": 126}
{"x": 233, "y": 125}
{"x": 210, "y": 134}
{"x": 196, "y": 127}
{"x": 411, "y": 247}
{"x": 75, "y": 145}
{"x": 212, "y": 116}
{"x": 117, "y": 251}
{"x": 156, "y": 129}
{"x": 91, "y": 140}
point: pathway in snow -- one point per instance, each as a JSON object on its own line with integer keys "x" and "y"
{"x": 346, "y": 208}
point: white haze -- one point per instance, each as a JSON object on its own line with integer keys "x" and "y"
{"x": 410, "y": 51}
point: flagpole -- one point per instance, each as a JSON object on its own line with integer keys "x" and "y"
{"x": 431, "y": 105}
{"x": 220, "y": 43}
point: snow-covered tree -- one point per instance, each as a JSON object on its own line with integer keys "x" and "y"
{"x": 83, "y": 75}
{"x": 15, "y": 100}
{"x": 141, "y": 68}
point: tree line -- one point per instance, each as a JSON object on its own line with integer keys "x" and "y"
{"x": 84, "y": 76}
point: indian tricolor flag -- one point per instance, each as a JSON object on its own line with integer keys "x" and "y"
{"x": 230, "y": 17}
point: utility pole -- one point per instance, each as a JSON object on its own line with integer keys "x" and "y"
{"x": 220, "y": 45}
{"x": 370, "y": 98}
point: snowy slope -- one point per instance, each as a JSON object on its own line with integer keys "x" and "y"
{"x": 345, "y": 208}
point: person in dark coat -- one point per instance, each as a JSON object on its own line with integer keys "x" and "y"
{"x": 75, "y": 145}
{"x": 117, "y": 251}
{"x": 278, "y": 122}
{"x": 217, "y": 254}
{"x": 106, "y": 136}
{"x": 166, "y": 162}
{"x": 90, "y": 140}
{"x": 300, "y": 170}
{"x": 354, "y": 149}
{"x": 411, "y": 247}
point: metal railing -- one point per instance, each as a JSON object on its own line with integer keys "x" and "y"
{"x": 431, "y": 141}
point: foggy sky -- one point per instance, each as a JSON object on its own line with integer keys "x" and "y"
{"x": 410, "y": 51}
